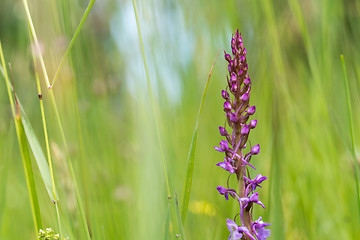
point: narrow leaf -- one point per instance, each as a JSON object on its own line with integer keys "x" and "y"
{"x": 38, "y": 153}
{"x": 35, "y": 147}
{"x": 351, "y": 128}
{"x": 191, "y": 155}
{"x": 178, "y": 216}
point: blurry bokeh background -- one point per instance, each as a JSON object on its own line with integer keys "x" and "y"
{"x": 298, "y": 88}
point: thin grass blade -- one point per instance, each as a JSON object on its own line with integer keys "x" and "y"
{"x": 178, "y": 216}
{"x": 351, "y": 128}
{"x": 191, "y": 155}
{"x": 24, "y": 150}
{"x": 35, "y": 147}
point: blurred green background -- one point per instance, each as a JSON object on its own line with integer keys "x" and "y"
{"x": 298, "y": 88}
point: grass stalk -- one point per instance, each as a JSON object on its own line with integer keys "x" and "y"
{"x": 73, "y": 39}
{"x": 191, "y": 155}
{"x": 47, "y": 145}
{"x": 153, "y": 103}
{"x": 58, "y": 120}
{"x": 24, "y": 150}
{"x": 351, "y": 128}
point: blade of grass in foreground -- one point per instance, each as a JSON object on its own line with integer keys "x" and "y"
{"x": 351, "y": 132}
{"x": 191, "y": 155}
{"x": 154, "y": 107}
{"x": 35, "y": 147}
{"x": 4, "y": 165}
{"x": 24, "y": 150}
{"x": 82, "y": 21}
{"x": 178, "y": 215}
{"x": 80, "y": 207}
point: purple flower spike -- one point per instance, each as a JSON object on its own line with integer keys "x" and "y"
{"x": 238, "y": 112}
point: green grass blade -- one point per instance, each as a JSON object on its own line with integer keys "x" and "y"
{"x": 153, "y": 103}
{"x": 35, "y": 147}
{"x": 77, "y": 31}
{"x": 57, "y": 115}
{"x": 38, "y": 153}
{"x": 351, "y": 128}
{"x": 178, "y": 216}
{"x": 28, "y": 173}
{"x": 4, "y": 165}
{"x": 24, "y": 150}
{"x": 191, "y": 155}
{"x": 167, "y": 224}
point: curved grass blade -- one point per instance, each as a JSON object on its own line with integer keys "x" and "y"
{"x": 351, "y": 128}
{"x": 4, "y": 165}
{"x": 82, "y": 21}
{"x": 24, "y": 150}
{"x": 38, "y": 154}
{"x": 35, "y": 147}
{"x": 178, "y": 216}
{"x": 191, "y": 155}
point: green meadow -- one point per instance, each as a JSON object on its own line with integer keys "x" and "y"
{"x": 106, "y": 131}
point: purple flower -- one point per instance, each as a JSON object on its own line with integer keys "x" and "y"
{"x": 225, "y": 95}
{"x": 233, "y": 228}
{"x": 259, "y": 229}
{"x": 224, "y": 146}
{"x": 253, "y": 124}
{"x": 227, "y": 166}
{"x": 255, "y": 150}
{"x": 255, "y": 182}
{"x": 251, "y": 110}
{"x": 223, "y": 131}
{"x": 237, "y": 232}
{"x": 253, "y": 198}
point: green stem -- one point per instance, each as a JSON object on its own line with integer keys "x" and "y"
{"x": 351, "y": 131}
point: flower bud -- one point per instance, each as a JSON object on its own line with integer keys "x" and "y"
{"x": 247, "y": 81}
{"x": 255, "y": 149}
{"x": 244, "y": 51}
{"x": 234, "y": 118}
{"x": 233, "y": 78}
{"x": 227, "y": 106}
{"x": 245, "y": 130}
{"x": 223, "y": 131}
{"x": 227, "y": 57}
{"x": 251, "y": 110}
{"x": 225, "y": 94}
{"x": 242, "y": 58}
{"x": 252, "y": 124}
{"x": 234, "y": 88}
{"x": 244, "y": 97}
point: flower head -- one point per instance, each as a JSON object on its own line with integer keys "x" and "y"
{"x": 238, "y": 112}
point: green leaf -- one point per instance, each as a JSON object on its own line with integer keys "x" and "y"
{"x": 38, "y": 153}
{"x": 191, "y": 155}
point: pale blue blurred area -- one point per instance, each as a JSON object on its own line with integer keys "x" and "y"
{"x": 169, "y": 46}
